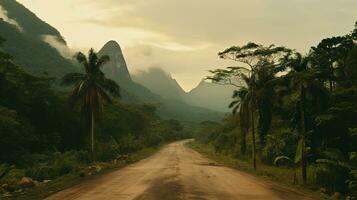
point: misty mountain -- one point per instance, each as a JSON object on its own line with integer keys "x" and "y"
{"x": 211, "y": 95}
{"x": 39, "y": 48}
{"x": 205, "y": 95}
{"x": 117, "y": 68}
{"x": 28, "y": 40}
{"x": 140, "y": 89}
{"x": 161, "y": 83}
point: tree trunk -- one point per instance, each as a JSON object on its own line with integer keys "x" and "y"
{"x": 92, "y": 133}
{"x": 243, "y": 143}
{"x": 253, "y": 143}
{"x": 330, "y": 79}
{"x": 303, "y": 135}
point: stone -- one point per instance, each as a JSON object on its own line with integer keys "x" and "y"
{"x": 26, "y": 182}
{"x": 46, "y": 181}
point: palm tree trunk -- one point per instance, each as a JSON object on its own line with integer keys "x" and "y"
{"x": 330, "y": 79}
{"x": 303, "y": 132}
{"x": 253, "y": 143}
{"x": 92, "y": 132}
{"x": 243, "y": 143}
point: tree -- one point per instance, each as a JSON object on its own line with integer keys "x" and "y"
{"x": 259, "y": 66}
{"x": 242, "y": 105}
{"x": 330, "y": 56}
{"x": 304, "y": 80}
{"x": 91, "y": 89}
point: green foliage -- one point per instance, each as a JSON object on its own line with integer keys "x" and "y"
{"x": 28, "y": 47}
{"x": 279, "y": 143}
{"x": 311, "y": 106}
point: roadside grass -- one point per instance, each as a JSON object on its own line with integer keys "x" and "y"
{"x": 69, "y": 180}
{"x": 282, "y": 176}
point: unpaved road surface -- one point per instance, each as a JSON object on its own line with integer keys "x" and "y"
{"x": 177, "y": 172}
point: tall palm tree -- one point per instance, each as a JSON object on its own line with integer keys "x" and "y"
{"x": 241, "y": 105}
{"x": 91, "y": 89}
{"x": 304, "y": 80}
{"x": 246, "y": 104}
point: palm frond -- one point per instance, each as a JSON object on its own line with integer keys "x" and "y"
{"x": 233, "y": 103}
{"x": 104, "y": 96}
{"x": 82, "y": 59}
{"x": 110, "y": 86}
{"x": 235, "y": 109}
{"x": 77, "y": 93}
{"x": 72, "y": 78}
{"x": 92, "y": 59}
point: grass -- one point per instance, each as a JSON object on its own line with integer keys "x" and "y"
{"x": 282, "y": 176}
{"x": 67, "y": 181}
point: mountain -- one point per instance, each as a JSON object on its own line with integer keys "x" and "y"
{"x": 206, "y": 95}
{"x": 39, "y": 48}
{"x": 28, "y": 39}
{"x": 117, "y": 68}
{"x": 154, "y": 88}
{"x": 161, "y": 83}
{"x": 211, "y": 95}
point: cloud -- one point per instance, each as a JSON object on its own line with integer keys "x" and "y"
{"x": 231, "y": 22}
{"x": 4, "y": 16}
{"x": 184, "y": 36}
{"x": 59, "y": 45}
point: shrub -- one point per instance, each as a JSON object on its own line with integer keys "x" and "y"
{"x": 106, "y": 150}
{"x": 13, "y": 177}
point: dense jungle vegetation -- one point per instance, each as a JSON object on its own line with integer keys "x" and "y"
{"x": 296, "y": 112}
{"x": 43, "y": 136}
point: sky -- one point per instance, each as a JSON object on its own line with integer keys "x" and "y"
{"x": 183, "y": 37}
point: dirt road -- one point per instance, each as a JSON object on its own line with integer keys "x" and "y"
{"x": 177, "y": 172}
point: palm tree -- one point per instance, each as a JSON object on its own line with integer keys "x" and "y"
{"x": 304, "y": 80}
{"x": 91, "y": 89}
{"x": 241, "y": 105}
{"x": 246, "y": 101}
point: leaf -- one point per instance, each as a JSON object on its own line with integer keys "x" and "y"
{"x": 333, "y": 163}
{"x": 279, "y": 158}
{"x": 333, "y": 154}
{"x": 298, "y": 152}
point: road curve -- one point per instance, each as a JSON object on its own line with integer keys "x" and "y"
{"x": 177, "y": 172}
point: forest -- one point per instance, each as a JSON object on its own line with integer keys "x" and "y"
{"x": 44, "y": 128}
{"x": 89, "y": 121}
{"x": 293, "y": 112}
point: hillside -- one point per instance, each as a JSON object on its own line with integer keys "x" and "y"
{"x": 26, "y": 36}
{"x": 205, "y": 94}
{"x": 41, "y": 50}
{"x": 142, "y": 91}
{"x": 210, "y": 95}
{"x": 161, "y": 83}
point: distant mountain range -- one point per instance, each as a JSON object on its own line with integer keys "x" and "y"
{"x": 161, "y": 83}
{"x": 206, "y": 94}
{"x": 40, "y": 49}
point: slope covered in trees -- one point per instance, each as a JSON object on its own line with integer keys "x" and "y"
{"x": 292, "y": 110}
{"x": 26, "y": 41}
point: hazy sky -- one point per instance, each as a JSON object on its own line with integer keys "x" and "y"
{"x": 184, "y": 36}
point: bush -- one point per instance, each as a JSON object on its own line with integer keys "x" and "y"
{"x": 4, "y": 169}
{"x": 106, "y": 150}
{"x": 57, "y": 165}
{"x": 330, "y": 175}
{"x": 281, "y": 142}
{"x": 13, "y": 177}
